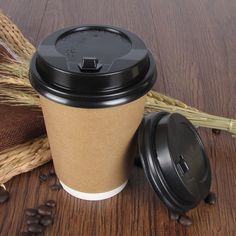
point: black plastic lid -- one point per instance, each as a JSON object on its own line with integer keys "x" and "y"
{"x": 174, "y": 160}
{"x": 92, "y": 66}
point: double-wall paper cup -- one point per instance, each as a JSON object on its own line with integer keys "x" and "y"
{"x": 92, "y": 81}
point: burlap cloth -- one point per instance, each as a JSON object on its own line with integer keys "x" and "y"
{"x": 18, "y": 124}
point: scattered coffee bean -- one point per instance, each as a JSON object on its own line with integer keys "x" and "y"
{"x": 39, "y": 218}
{"x": 56, "y": 187}
{"x": 4, "y": 195}
{"x": 216, "y": 131}
{"x": 32, "y": 220}
{"x": 31, "y": 212}
{"x": 138, "y": 162}
{"x": 211, "y": 198}
{"x": 185, "y": 220}
{"x": 51, "y": 203}
{"x": 46, "y": 220}
{"x": 35, "y": 228}
{"x": 44, "y": 210}
{"x": 43, "y": 177}
{"x": 174, "y": 215}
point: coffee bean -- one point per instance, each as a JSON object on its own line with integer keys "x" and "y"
{"x": 56, "y": 187}
{"x": 51, "y": 203}
{"x": 44, "y": 210}
{"x": 43, "y": 177}
{"x": 216, "y": 131}
{"x": 35, "y": 228}
{"x": 46, "y": 220}
{"x": 32, "y": 220}
{"x": 185, "y": 220}
{"x": 4, "y": 195}
{"x": 174, "y": 215}
{"x": 211, "y": 198}
{"x": 138, "y": 162}
{"x": 31, "y": 212}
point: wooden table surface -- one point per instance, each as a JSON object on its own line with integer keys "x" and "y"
{"x": 194, "y": 44}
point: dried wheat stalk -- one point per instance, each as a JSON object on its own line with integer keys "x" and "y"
{"x": 13, "y": 40}
{"x": 23, "y": 158}
{"x": 197, "y": 117}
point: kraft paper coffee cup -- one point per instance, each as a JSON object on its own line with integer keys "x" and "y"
{"x": 92, "y": 81}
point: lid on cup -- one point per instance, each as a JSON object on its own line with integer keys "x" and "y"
{"x": 92, "y": 66}
{"x": 174, "y": 160}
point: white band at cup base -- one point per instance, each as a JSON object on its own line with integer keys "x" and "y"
{"x": 93, "y": 196}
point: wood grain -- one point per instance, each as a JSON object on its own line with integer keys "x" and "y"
{"x": 194, "y": 46}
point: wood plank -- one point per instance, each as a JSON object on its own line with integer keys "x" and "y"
{"x": 26, "y": 14}
{"x": 194, "y": 45}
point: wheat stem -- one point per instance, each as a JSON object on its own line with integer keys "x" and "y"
{"x": 14, "y": 40}
{"x": 23, "y": 158}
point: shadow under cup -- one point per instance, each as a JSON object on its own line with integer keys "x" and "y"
{"x": 92, "y": 82}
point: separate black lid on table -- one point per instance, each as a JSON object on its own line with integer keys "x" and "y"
{"x": 174, "y": 160}
{"x": 92, "y": 66}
